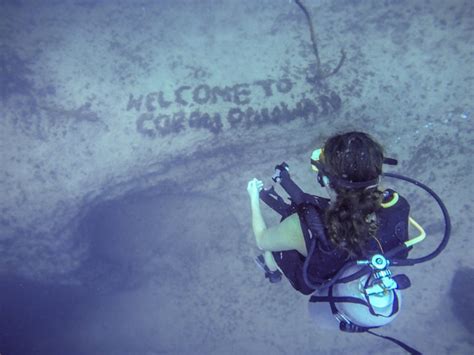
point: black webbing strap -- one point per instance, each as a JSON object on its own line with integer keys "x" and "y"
{"x": 276, "y": 202}
{"x": 398, "y": 342}
{"x": 333, "y": 299}
{"x": 347, "y": 299}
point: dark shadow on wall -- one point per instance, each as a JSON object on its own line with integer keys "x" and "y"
{"x": 133, "y": 237}
{"x": 32, "y": 315}
{"x": 462, "y": 293}
{"x": 146, "y": 251}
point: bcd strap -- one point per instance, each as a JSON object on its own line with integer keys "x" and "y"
{"x": 398, "y": 342}
{"x": 347, "y": 299}
{"x": 276, "y": 202}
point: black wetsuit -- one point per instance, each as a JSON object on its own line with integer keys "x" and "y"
{"x": 393, "y": 231}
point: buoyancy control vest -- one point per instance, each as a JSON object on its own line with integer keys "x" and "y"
{"x": 392, "y": 232}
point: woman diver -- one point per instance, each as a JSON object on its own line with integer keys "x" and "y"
{"x": 358, "y": 221}
{"x": 340, "y": 249}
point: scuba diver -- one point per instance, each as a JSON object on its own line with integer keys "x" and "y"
{"x": 340, "y": 249}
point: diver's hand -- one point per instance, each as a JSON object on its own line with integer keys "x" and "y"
{"x": 253, "y": 188}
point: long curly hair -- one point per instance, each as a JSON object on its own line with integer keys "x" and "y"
{"x": 350, "y": 219}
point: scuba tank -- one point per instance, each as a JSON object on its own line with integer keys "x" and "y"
{"x": 364, "y": 294}
{"x": 382, "y": 304}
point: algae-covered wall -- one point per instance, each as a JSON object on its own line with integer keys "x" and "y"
{"x": 129, "y": 130}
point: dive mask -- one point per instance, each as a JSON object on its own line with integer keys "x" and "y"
{"x": 324, "y": 177}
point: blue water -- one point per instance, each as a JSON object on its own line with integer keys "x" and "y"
{"x": 129, "y": 131}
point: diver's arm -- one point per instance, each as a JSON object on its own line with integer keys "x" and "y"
{"x": 258, "y": 224}
{"x": 287, "y": 235}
